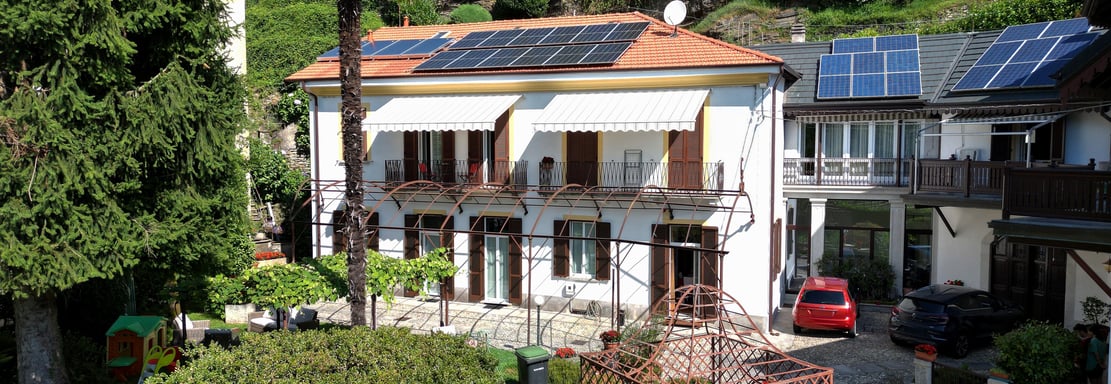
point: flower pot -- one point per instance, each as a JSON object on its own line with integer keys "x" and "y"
{"x": 925, "y": 356}
{"x": 611, "y": 344}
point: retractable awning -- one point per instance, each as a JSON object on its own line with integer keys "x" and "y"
{"x": 439, "y": 113}
{"x": 634, "y": 111}
{"x": 1024, "y": 119}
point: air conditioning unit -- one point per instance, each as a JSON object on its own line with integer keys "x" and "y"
{"x": 968, "y": 153}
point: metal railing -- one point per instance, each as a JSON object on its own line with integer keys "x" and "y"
{"x": 458, "y": 172}
{"x": 847, "y": 171}
{"x": 1058, "y": 193}
{"x": 633, "y": 175}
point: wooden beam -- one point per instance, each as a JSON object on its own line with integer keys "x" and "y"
{"x": 1091, "y": 273}
{"x": 945, "y": 220}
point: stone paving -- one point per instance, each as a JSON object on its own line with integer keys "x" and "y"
{"x": 870, "y": 358}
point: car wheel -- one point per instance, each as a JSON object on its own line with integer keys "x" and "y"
{"x": 796, "y": 328}
{"x": 897, "y": 341}
{"x": 960, "y": 347}
{"x": 853, "y": 331}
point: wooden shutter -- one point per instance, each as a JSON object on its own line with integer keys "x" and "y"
{"x": 475, "y": 262}
{"x": 561, "y": 262}
{"x": 410, "y": 154}
{"x": 447, "y": 238}
{"x": 513, "y": 225}
{"x": 602, "y": 251}
{"x": 366, "y": 145}
{"x": 372, "y": 232}
{"x": 708, "y": 270}
{"x": 661, "y": 263}
{"x": 582, "y": 158}
{"x": 412, "y": 243}
{"x": 685, "y": 157}
{"x": 501, "y": 150}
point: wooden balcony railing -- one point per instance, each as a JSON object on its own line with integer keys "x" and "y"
{"x": 965, "y": 177}
{"x": 458, "y": 172}
{"x": 850, "y": 171}
{"x": 1080, "y": 194}
{"x": 633, "y": 175}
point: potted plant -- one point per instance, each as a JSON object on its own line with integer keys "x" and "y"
{"x": 565, "y": 353}
{"x": 998, "y": 375}
{"x": 925, "y": 352}
{"x": 547, "y": 162}
{"x": 955, "y": 282}
{"x": 610, "y": 339}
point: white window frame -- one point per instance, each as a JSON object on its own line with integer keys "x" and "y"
{"x": 583, "y": 253}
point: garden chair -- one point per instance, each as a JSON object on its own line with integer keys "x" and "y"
{"x": 193, "y": 330}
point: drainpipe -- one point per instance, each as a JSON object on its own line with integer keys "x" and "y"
{"x": 316, "y": 163}
{"x": 771, "y": 209}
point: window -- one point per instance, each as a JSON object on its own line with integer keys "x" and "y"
{"x": 833, "y": 138}
{"x": 583, "y": 253}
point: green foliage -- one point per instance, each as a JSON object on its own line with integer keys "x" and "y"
{"x": 1037, "y": 353}
{"x": 1096, "y": 311}
{"x": 356, "y": 355}
{"x": 223, "y": 290}
{"x": 293, "y": 108}
{"x": 80, "y": 367}
{"x": 507, "y": 364}
{"x": 470, "y": 13}
{"x": 564, "y": 371}
{"x": 333, "y": 268}
{"x": 385, "y": 274}
{"x": 1000, "y": 14}
{"x": 286, "y": 286}
{"x": 286, "y": 36}
{"x": 872, "y": 279}
{"x": 420, "y": 12}
{"x": 270, "y": 171}
{"x": 519, "y": 9}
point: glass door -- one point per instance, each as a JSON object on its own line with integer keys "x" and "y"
{"x": 429, "y": 241}
{"x": 497, "y": 268}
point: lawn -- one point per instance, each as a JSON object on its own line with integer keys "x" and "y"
{"x": 507, "y": 364}
{"x": 215, "y": 322}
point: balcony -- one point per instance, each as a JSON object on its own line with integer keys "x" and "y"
{"x": 847, "y": 172}
{"x": 459, "y": 172}
{"x": 632, "y": 176}
{"x": 961, "y": 177}
{"x": 1062, "y": 193}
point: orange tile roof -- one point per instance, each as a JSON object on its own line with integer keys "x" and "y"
{"x": 654, "y": 49}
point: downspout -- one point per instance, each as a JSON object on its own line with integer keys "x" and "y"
{"x": 316, "y": 164}
{"x": 771, "y": 209}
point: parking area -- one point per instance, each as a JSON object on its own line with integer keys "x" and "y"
{"x": 871, "y": 357}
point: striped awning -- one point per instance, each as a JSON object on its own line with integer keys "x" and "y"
{"x": 1021, "y": 119}
{"x": 864, "y": 116}
{"x": 635, "y": 111}
{"x": 439, "y": 113}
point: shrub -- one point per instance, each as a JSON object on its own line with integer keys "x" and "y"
{"x": 224, "y": 290}
{"x": 470, "y": 13}
{"x": 1095, "y": 310}
{"x": 356, "y": 355}
{"x": 420, "y": 12}
{"x": 274, "y": 179}
{"x": 563, "y": 371}
{"x": 1037, "y": 353}
{"x": 519, "y": 9}
{"x": 872, "y": 279}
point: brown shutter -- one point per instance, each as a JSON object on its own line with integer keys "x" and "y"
{"x": 501, "y": 150}
{"x": 412, "y": 243}
{"x": 366, "y": 145}
{"x": 372, "y": 232}
{"x": 660, "y": 263}
{"x": 561, "y": 262}
{"x": 602, "y": 250}
{"x": 475, "y": 262}
{"x": 409, "y": 156}
{"x": 447, "y": 287}
{"x": 708, "y": 269}
{"x": 513, "y": 225}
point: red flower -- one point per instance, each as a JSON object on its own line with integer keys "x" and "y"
{"x": 925, "y": 348}
{"x": 565, "y": 352}
{"x": 268, "y": 255}
{"x": 610, "y": 336}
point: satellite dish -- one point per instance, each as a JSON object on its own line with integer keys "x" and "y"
{"x": 675, "y": 13}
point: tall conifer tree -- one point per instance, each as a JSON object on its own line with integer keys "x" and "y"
{"x": 117, "y": 149}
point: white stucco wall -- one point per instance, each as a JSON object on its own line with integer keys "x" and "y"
{"x": 1087, "y": 136}
{"x": 966, "y": 256}
{"x": 961, "y": 139}
{"x": 236, "y": 48}
{"x": 1079, "y": 285}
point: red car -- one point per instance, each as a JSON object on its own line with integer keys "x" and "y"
{"x": 826, "y": 303}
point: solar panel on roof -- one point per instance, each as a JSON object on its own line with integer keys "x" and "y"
{"x": 397, "y": 48}
{"x": 471, "y": 59}
{"x": 471, "y": 40}
{"x": 439, "y": 61}
{"x": 503, "y": 57}
{"x": 535, "y": 56}
{"x": 627, "y": 31}
{"x": 427, "y": 46}
{"x": 606, "y": 53}
{"x": 570, "y": 54}
{"x": 500, "y": 38}
{"x": 531, "y": 36}
{"x": 594, "y": 33}
{"x": 369, "y": 48}
{"x": 882, "y": 66}
{"x": 562, "y": 35}
{"x": 1026, "y": 55}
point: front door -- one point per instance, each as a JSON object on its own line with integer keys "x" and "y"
{"x": 681, "y": 263}
{"x": 1031, "y": 276}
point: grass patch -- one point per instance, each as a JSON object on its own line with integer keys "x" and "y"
{"x": 740, "y": 7}
{"x": 215, "y": 322}
{"x": 877, "y": 17}
{"x": 507, "y": 364}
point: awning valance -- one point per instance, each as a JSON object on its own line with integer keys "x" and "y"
{"x": 863, "y": 116}
{"x": 1023, "y": 119}
{"x": 439, "y": 113}
{"x": 634, "y": 111}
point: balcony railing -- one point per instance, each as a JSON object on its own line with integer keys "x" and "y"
{"x": 964, "y": 177}
{"x": 847, "y": 172}
{"x": 1058, "y": 193}
{"x": 459, "y": 172}
{"x": 633, "y": 175}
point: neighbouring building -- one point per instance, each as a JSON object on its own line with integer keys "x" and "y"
{"x": 979, "y": 157}
{"x": 598, "y": 161}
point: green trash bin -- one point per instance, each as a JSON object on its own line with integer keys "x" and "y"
{"x": 532, "y": 365}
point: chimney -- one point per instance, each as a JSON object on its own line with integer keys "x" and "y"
{"x": 405, "y": 21}
{"x": 798, "y": 33}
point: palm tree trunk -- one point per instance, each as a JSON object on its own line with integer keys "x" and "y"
{"x": 350, "y": 53}
{"x": 38, "y": 341}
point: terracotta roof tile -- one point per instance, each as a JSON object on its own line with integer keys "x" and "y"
{"x": 654, "y": 49}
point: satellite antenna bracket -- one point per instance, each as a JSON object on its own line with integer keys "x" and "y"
{"x": 674, "y": 14}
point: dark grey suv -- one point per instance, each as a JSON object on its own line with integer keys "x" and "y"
{"x": 951, "y": 317}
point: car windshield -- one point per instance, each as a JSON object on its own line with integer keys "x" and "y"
{"x": 823, "y": 297}
{"x": 918, "y": 305}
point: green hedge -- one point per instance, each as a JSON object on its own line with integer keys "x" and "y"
{"x": 1037, "y": 353}
{"x": 357, "y": 355}
{"x": 470, "y": 13}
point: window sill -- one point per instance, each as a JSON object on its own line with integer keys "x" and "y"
{"x": 495, "y": 302}
{"x": 579, "y": 278}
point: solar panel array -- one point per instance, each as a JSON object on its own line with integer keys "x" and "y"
{"x": 885, "y": 66}
{"x": 1026, "y": 55}
{"x": 537, "y": 47}
{"x": 395, "y": 48}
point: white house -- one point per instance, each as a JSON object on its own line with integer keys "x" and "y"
{"x": 598, "y": 161}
